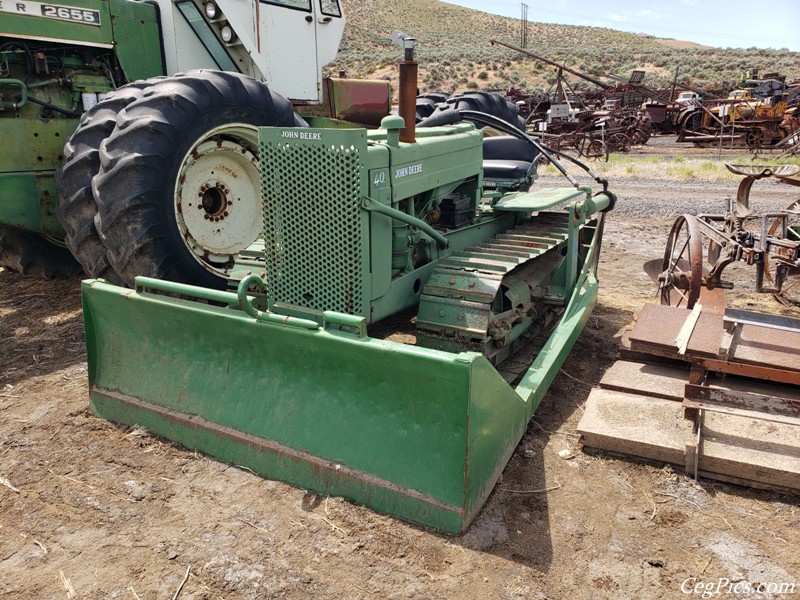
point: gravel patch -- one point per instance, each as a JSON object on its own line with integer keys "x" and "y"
{"x": 665, "y": 198}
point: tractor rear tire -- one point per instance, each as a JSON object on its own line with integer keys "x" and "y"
{"x": 426, "y": 104}
{"x": 178, "y": 191}
{"x": 33, "y": 256}
{"x": 489, "y": 103}
{"x": 76, "y": 208}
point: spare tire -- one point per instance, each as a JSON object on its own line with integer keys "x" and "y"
{"x": 489, "y": 103}
{"x": 178, "y": 191}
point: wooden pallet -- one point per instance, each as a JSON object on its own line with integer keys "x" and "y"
{"x": 672, "y": 404}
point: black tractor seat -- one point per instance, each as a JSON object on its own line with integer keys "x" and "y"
{"x": 508, "y": 162}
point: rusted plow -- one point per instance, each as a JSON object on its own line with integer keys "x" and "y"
{"x": 768, "y": 241}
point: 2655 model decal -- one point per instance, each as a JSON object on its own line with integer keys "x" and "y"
{"x": 50, "y": 11}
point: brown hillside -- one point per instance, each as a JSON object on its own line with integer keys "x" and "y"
{"x": 455, "y": 54}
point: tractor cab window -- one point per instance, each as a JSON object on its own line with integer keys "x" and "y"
{"x": 330, "y": 8}
{"x": 295, "y": 4}
{"x": 207, "y": 37}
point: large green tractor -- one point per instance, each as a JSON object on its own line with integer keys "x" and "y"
{"x": 129, "y": 127}
{"x": 389, "y": 284}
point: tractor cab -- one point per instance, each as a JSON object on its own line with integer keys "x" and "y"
{"x": 282, "y": 42}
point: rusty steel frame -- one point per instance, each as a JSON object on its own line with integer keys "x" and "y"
{"x": 649, "y": 338}
{"x": 776, "y": 409}
{"x": 746, "y": 370}
{"x": 729, "y": 242}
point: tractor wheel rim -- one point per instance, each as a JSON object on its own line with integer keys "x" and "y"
{"x": 217, "y": 196}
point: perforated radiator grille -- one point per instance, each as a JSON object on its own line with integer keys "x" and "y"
{"x": 313, "y": 224}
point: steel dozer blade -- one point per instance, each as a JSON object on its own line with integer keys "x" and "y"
{"x": 417, "y": 433}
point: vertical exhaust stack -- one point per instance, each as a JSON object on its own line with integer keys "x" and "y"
{"x": 408, "y": 86}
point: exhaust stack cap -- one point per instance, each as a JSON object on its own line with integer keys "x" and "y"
{"x": 403, "y": 40}
{"x": 406, "y": 42}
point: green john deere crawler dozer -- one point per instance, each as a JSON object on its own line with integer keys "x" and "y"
{"x": 363, "y": 348}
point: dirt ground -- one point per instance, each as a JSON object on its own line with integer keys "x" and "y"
{"x": 92, "y": 510}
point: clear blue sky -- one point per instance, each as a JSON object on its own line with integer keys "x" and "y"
{"x": 719, "y": 23}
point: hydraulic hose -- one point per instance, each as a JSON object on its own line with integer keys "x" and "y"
{"x": 450, "y": 116}
{"x": 63, "y": 111}
{"x": 497, "y": 123}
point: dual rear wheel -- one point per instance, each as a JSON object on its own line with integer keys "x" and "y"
{"x": 162, "y": 178}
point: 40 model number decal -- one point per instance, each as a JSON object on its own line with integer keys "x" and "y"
{"x": 75, "y": 14}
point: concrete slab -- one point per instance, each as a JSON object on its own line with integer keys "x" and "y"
{"x": 651, "y": 428}
{"x": 758, "y": 451}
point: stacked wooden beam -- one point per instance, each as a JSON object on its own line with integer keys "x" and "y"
{"x": 717, "y": 393}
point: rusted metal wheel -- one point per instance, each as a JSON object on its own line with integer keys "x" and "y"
{"x": 790, "y": 290}
{"x": 591, "y": 147}
{"x": 793, "y": 223}
{"x": 694, "y": 121}
{"x": 755, "y": 140}
{"x": 641, "y": 133}
{"x": 556, "y": 143}
{"x": 682, "y": 268}
{"x": 572, "y": 141}
{"x": 597, "y": 149}
{"x": 569, "y": 141}
{"x": 619, "y": 142}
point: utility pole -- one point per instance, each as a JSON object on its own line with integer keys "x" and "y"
{"x": 523, "y": 23}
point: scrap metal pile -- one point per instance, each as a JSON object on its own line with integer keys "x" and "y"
{"x": 596, "y": 134}
{"x": 760, "y": 115}
{"x": 590, "y": 132}
{"x": 590, "y": 124}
